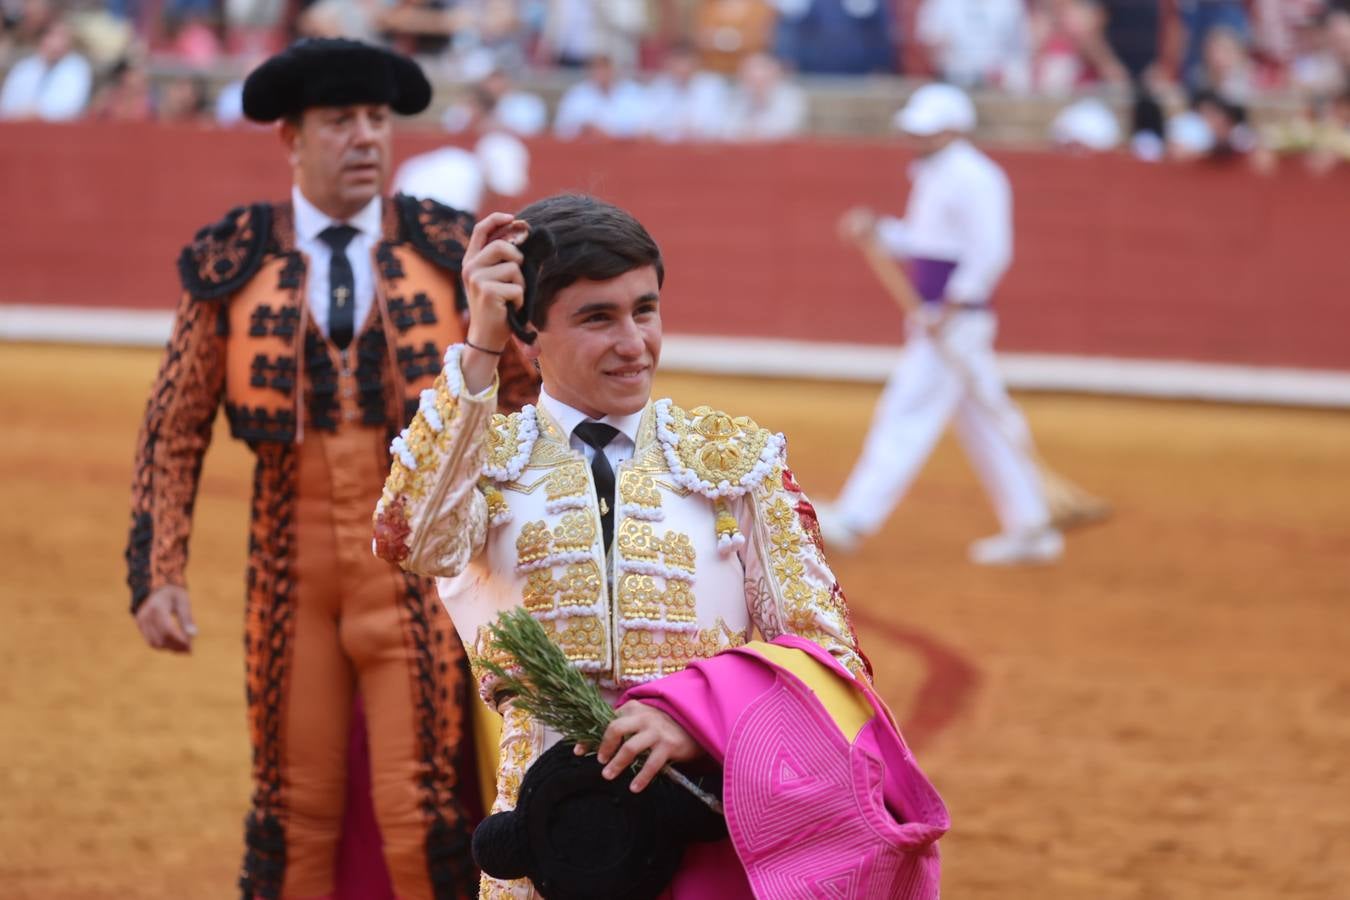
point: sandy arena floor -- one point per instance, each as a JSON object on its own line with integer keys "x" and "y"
{"x": 1164, "y": 715}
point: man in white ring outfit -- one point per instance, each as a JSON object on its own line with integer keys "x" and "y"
{"x": 956, "y": 241}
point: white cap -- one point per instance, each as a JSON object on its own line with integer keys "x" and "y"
{"x": 935, "y": 108}
{"x": 1088, "y": 123}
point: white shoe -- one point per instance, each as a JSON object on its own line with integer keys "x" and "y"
{"x": 838, "y": 535}
{"x": 1040, "y": 545}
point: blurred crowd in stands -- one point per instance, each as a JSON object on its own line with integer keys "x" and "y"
{"x": 1164, "y": 78}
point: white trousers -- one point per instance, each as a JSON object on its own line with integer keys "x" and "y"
{"x": 922, "y": 395}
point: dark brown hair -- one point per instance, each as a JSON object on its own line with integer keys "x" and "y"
{"x": 592, "y": 240}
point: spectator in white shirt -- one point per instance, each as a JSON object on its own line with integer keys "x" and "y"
{"x": 602, "y": 105}
{"x": 53, "y": 84}
{"x": 578, "y": 31}
{"x": 764, "y": 106}
{"x": 519, "y": 112}
{"x": 684, "y": 103}
{"x": 978, "y": 42}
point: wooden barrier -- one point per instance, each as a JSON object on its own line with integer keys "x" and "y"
{"x": 1114, "y": 257}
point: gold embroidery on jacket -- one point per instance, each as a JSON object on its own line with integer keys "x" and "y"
{"x": 518, "y": 749}
{"x": 642, "y": 655}
{"x": 582, "y": 639}
{"x": 639, "y": 489}
{"x": 426, "y": 446}
{"x": 549, "y": 453}
{"x": 503, "y": 439}
{"x": 636, "y": 541}
{"x": 484, "y": 649}
{"x": 575, "y": 532}
{"x": 533, "y": 542}
{"x": 639, "y": 543}
{"x": 715, "y": 446}
{"x": 807, "y": 607}
{"x": 496, "y": 501}
{"x": 679, "y": 551}
{"x": 566, "y": 481}
{"x": 640, "y": 598}
{"x": 579, "y": 587}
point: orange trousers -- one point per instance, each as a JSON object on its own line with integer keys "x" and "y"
{"x": 357, "y": 623}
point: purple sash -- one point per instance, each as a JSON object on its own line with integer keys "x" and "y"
{"x": 930, "y": 277}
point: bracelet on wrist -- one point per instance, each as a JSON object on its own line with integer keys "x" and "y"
{"x": 469, "y": 343}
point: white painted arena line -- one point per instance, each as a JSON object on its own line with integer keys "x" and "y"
{"x": 771, "y": 358}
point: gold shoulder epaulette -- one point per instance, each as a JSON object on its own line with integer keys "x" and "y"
{"x": 713, "y": 453}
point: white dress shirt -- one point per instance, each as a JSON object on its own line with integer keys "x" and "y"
{"x": 618, "y": 450}
{"x": 309, "y": 221}
{"x": 959, "y": 210}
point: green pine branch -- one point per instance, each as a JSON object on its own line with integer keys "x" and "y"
{"x": 550, "y": 690}
{"x": 547, "y": 687}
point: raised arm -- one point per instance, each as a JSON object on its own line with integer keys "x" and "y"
{"x": 432, "y": 517}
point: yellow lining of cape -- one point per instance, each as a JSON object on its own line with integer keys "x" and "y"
{"x": 848, "y": 706}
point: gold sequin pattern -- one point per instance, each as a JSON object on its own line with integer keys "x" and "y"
{"x": 496, "y": 501}
{"x": 482, "y": 649}
{"x": 424, "y": 444}
{"x": 520, "y": 745}
{"x": 640, "y": 598}
{"x": 639, "y": 542}
{"x": 503, "y": 439}
{"x": 579, "y": 586}
{"x": 575, "y": 532}
{"x": 642, "y": 654}
{"x": 582, "y": 638}
{"x": 568, "y": 480}
{"x": 639, "y": 489}
{"x": 715, "y": 446}
{"x": 809, "y": 609}
{"x": 533, "y": 542}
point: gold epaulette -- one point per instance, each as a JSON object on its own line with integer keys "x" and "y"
{"x": 716, "y": 454}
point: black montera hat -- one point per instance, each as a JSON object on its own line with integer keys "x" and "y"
{"x": 577, "y": 836}
{"x": 333, "y": 72}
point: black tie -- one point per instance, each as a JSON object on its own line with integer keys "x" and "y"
{"x": 598, "y": 435}
{"x": 341, "y": 285}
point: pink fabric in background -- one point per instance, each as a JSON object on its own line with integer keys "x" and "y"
{"x": 809, "y": 814}
{"x": 361, "y": 871}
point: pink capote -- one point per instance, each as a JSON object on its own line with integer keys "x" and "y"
{"x": 809, "y": 814}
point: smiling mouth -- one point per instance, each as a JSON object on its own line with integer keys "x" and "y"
{"x": 627, "y": 372}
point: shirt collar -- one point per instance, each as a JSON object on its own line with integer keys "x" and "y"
{"x": 568, "y": 418}
{"x": 310, "y": 220}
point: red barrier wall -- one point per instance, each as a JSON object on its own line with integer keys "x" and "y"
{"x": 1113, "y": 256}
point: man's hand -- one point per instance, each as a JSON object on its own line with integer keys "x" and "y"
{"x": 857, "y": 225}
{"x": 165, "y": 619}
{"x": 493, "y": 283}
{"x": 645, "y": 728}
{"x": 935, "y": 322}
